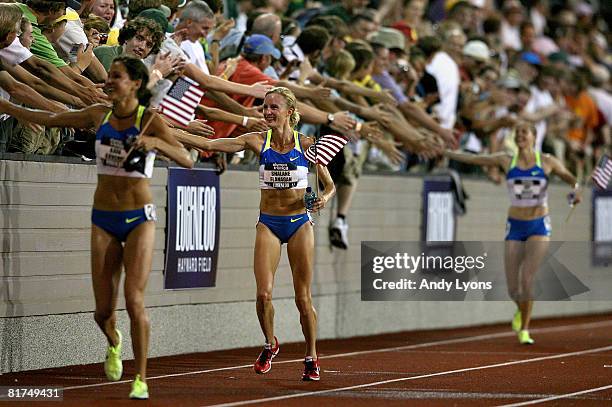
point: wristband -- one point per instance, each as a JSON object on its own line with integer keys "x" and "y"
{"x": 245, "y": 121}
{"x": 358, "y": 127}
{"x": 576, "y": 186}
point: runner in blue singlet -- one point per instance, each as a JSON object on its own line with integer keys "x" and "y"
{"x": 528, "y": 226}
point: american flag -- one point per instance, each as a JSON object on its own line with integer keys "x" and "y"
{"x": 325, "y": 149}
{"x": 603, "y": 172}
{"x": 180, "y": 102}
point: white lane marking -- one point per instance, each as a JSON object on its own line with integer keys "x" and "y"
{"x": 561, "y": 328}
{"x": 403, "y": 379}
{"x": 560, "y": 396}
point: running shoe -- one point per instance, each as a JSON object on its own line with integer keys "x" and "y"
{"x": 524, "y": 338}
{"x": 140, "y": 390}
{"x": 311, "y": 370}
{"x": 338, "y": 234}
{"x": 517, "y": 321}
{"x": 263, "y": 364}
{"x": 112, "y": 365}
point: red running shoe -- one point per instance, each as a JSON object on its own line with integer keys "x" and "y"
{"x": 311, "y": 370}
{"x": 263, "y": 364}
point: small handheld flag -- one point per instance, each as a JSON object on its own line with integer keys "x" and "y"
{"x": 325, "y": 149}
{"x": 603, "y": 172}
{"x": 180, "y": 102}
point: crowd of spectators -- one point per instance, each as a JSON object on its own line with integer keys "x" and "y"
{"x": 403, "y": 79}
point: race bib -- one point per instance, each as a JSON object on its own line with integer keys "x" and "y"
{"x": 528, "y": 188}
{"x": 112, "y": 152}
{"x": 280, "y": 175}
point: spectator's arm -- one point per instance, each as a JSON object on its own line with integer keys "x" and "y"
{"x": 56, "y": 77}
{"x": 540, "y": 114}
{"x": 78, "y": 78}
{"x": 420, "y": 117}
{"x": 342, "y": 121}
{"x": 348, "y": 87}
{"x": 305, "y": 92}
{"x": 252, "y": 123}
{"x": 257, "y": 90}
{"x": 25, "y": 94}
{"x": 84, "y": 118}
{"x": 499, "y": 159}
{"x": 96, "y": 72}
{"x": 43, "y": 87}
{"x": 227, "y": 102}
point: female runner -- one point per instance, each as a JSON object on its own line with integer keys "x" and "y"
{"x": 123, "y": 216}
{"x": 283, "y": 178}
{"x": 528, "y": 227}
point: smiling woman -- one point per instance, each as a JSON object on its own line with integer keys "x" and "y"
{"x": 123, "y": 215}
{"x": 283, "y": 218}
{"x": 528, "y": 226}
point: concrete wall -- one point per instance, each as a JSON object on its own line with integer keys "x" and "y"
{"x": 46, "y": 299}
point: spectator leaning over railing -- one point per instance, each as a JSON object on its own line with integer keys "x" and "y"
{"x": 19, "y": 135}
{"x": 41, "y": 13}
{"x": 138, "y": 38}
{"x": 17, "y": 54}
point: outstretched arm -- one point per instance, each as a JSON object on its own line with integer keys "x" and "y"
{"x": 85, "y": 118}
{"x": 257, "y": 90}
{"x": 223, "y": 145}
{"x": 500, "y": 159}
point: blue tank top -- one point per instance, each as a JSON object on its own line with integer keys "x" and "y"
{"x": 527, "y": 187}
{"x": 113, "y": 146}
{"x": 282, "y": 171}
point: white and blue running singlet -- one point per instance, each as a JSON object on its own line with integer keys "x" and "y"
{"x": 112, "y": 148}
{"x": 527, "y": 187}
{"x": 282, "y": 171}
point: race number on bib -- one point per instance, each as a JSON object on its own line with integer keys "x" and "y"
{"x": 281, "y": 175}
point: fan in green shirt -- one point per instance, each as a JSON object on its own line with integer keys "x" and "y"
{"x": 138, "y": 38}
{"x": 39, "y": 13}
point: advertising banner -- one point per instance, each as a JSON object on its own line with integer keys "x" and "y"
{"x": 193, "y": 220}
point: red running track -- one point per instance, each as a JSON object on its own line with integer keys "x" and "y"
{"x": 569, "y": 365}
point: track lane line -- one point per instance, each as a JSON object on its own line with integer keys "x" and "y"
{"x": 561, "y": 328}
{"x": 560, "y": 396}
{"x": 403, "y": 379}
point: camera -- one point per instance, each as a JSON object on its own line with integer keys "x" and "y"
{"x": 136, "y": 159}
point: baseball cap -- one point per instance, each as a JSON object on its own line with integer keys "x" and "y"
{"x": 259, "y": 44}
{"x": 510, "y": 81}
{"x": 389, "y": 38}
{"x": 531, "y": 58}
{"x": 559, "y": 56}
{"x": 478, "y": 50}
{"x": 158, "y": 16}
{"x": 69, "y": 15}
